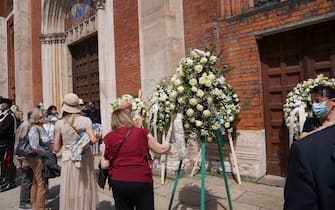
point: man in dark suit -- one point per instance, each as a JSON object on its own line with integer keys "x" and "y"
{"x": 310, "y": 183}
{"x": 7, "y": 140}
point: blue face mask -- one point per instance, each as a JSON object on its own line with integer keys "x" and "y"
{"x": 320, "y": 109}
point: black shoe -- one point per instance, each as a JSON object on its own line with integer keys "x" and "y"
{"x": 2, "y": 185}
{"x": 3, "y": 181}
{"x": 7, "y": 187}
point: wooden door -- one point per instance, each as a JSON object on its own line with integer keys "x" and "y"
{"x": 85, "y": 67}
{"x": 289, "y": 58}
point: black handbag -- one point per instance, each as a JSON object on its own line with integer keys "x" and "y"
{"x": 23, "y": 147}
{"x": 102, "y": 174}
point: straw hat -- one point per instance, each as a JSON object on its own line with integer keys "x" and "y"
{"x": 71, "y": 103}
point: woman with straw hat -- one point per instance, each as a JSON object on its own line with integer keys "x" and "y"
{"x": 78, "y": 186}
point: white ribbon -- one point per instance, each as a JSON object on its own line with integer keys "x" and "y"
{"x": 153, "y": 115}
{"x": 179, "y": 135}
{"x": 301, "y": 119}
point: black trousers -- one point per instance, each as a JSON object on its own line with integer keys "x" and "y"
{"x": 8, "y": 169}
{"x": 128, "y": 195}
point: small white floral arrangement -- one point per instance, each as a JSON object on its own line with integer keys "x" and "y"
{"x": 300, "y": 96}
{"x": 160, "y": 107}
{"x": 139, "y": 108}
{"x": 201, "y": 94}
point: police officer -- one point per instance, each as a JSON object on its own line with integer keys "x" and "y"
{"x": 7, "y": 140}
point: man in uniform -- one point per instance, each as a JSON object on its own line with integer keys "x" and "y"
{"x": 7, "y": 140}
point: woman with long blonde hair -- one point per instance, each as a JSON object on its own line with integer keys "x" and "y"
{"x": 130, "y": 175}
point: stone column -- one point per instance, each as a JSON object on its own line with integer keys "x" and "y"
{"x": 3, "y": 56}
{"x": 161, "y": 29}
{"x": 107, "y": 80}
{"x": 23, "y": 55}
{"x": 54, "y": 70}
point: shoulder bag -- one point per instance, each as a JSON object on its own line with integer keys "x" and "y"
{"x": 23, "y": 147}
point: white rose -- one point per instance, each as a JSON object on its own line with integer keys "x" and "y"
{"x": 208, "y": 83}
{"x": 198, "y": 123}
{"x": 227, "y": 125}
{"x": 211, "y": 77}
{"x": 198, "y": 68}
{"x": 187, "y": 125}
{"x": 194, "y": 89}
{"x": 200, "y": 93}
{"x": 200, "y": 107}
{"x": 203, "y": 60}
{"x": 181, "y": 73}
{"x": 181, "y": 100}
{"x": 173, "y": 94}
{"x": 189, "y": 112}
{"x": 180, "y": 89}
{"x": 193, "y": 101}
{"x": 192, "y": 120}
{"x": 189, "y": 61}
{"x": 193, "y": 82}
{"x": 177, "y": 82}
{"x": 213, "y": 59}
{"x": 206, "y": 113}
{"x": 202, "y": 80}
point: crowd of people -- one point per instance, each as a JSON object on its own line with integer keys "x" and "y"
{"x": 74, "y": 136}
{"x": 73, "y": 133}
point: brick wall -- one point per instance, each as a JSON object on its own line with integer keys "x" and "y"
{"x": 127, "y": 53}
{"x": 36, "y": 51}
{"x": 236, "y": 36}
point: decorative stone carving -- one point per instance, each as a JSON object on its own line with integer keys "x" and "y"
{"x": 83, "y": 29}
{"x": 99, "y": 4}
{"x": 54, "y": 38}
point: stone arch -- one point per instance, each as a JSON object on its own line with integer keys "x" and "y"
{"x": 55, "y": 72}
{"x": 56, "y": 58}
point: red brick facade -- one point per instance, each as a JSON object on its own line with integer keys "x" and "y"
{"x": 127, "y": 51}
{"x": 236, "y": 35}
{"x": 36, "y": 51}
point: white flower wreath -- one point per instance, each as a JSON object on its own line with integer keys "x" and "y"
{"x": 160, "y": 107}
{"x": 201, "y": 94}
{"x": 138, "y": 106}
{"x": 300, "y": 97}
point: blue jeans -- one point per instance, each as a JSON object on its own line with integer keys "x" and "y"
{"x": 26, "y": 181}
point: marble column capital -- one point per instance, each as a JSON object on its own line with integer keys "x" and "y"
{"x": 54, "y": 38}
